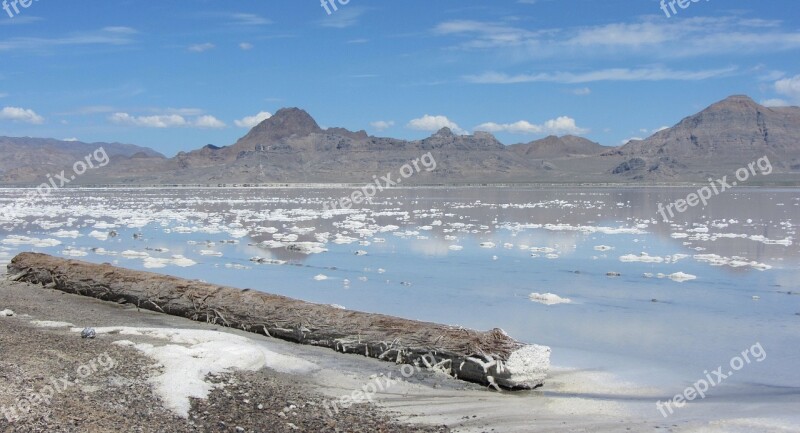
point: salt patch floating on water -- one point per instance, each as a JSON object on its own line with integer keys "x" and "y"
{"x": 642, "y": 258}
{"x": 603, "y": 248}
{"x": 66, "y": 234}
{"x": 487, "y": 245}
{"x": 210, "y": 253}
{"x": 192, "y": 355}
{"x": 98, "y": 235}
{"x": 681, "y": 277}
{"x": 455, "y": 247}
{"x": 179, "y": 260}
{"x": 321, "y": 277}
{"x": 548, "y": 299}
{"x": 74, "y": 253}
{"x": 36, "y": 242}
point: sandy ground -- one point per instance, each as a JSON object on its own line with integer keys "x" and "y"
{"x": 122, "y": 398}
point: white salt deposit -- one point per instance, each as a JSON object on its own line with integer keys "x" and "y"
{"x": 190, "y": 356}
{"x": 681, "y": 277}
{"x": 51, "y": 324}
{"x": 548, "y": 298}
{"x": 643, "y": 258}
{"x": 66, "y": 234}
{"x": 36, "y": 242}
{"x": 98, "y": 235}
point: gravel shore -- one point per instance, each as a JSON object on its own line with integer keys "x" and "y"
{"x": 97, "y": 386}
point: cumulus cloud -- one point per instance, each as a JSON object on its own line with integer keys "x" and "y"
{"x": 166, "y": 121}
{"x": 251, "y": 121}
{"x": 382, "y": 125}
{"x": 434, "y": 123}
{"x": 208, "y": 121}
{"x": 789, "y": 87}
{"x": 775, "y": 103}
{"x": 563, "y": 125}
{"x": 245, "y": 46}
{"x": 71, "y": 139}
{"x": 18, "y": 114}
{"x": 583, "y": 91}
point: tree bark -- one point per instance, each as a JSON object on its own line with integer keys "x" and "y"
{"x": 490, "y": 358}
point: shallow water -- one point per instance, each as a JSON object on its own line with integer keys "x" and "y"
{"x": 396, "y": 256}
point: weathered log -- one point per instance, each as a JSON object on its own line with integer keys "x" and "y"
{"x": 490, "y": 358}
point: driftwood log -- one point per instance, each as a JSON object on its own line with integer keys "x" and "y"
{"x": 491, "y": 358}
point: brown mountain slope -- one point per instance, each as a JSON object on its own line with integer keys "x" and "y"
{"x": 558, "y": 147}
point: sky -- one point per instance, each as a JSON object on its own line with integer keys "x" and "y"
{"x": 177, "y": 75}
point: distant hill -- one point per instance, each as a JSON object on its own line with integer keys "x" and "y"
{"x": 726, "y": 134}
{"x": 558, "y": 147}
{"x": 25, "y": 158}
{"x": 291, "y": 147}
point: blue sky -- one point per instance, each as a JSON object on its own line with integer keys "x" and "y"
{"x": 176, "y": 75}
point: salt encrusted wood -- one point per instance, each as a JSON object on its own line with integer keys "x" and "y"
{"x": 490, "y": 358}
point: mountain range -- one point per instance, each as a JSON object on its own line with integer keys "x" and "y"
{"x": 290, "y": 147}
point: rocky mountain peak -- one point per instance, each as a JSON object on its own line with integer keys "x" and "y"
{"x": 444, "y": 133}
{"x": 285, "y": 123}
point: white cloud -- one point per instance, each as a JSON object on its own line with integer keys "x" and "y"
{"x": 625, "y": 141}
{"x": 208, "y": 121}
{"x": 434, "y": 123}
{"x": 382, "y": 125}
{"x": 649, "y": 36}
{"x": 789, "y": 87}
{"x": 17, "y": 114}
{"x": 70, "y": 139}
{"x": 486, "y": 34}
{"x": 3, "y": 95}
{"x": 617, "y": 74}
{"x": 251, "y": 121}
{"x": 245, "y": 46}
{"x": 199, "y": 48}
{"x": 583, "y": 91}
{"x": 160, "y": 121}
{"x": 104, "y": 36}
{"x": 166, "y": 121}
{"x": 563, "y": 125}
{"x": 344, "y": 17}
{"x": 775, "y": 103}
{"x": 243, "y": 19}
